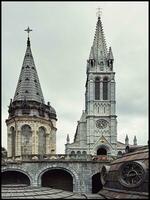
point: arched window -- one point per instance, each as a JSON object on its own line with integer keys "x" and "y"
{"x": 101, "y": 151}
{"x": 105, "y": 88}
{"x": 97, "y": 88}
{"x": 42, "y": 141}
{"x": 72, "y": 153}
{"x": 13, "y": 139}
{"x": 26, "y": 140}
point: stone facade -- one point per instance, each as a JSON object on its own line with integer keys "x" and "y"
{"x": 35, "y": 124}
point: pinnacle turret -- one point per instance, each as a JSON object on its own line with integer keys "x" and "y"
{"x": 68, "y": 139}
{"x": 126, "y": 140}
{"x": 110, "y": 54}
{"x": 134, "y": 141}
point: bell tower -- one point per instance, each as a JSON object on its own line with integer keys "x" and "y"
{"x": 97, "y": 129}
{"x": 31, "y": 124}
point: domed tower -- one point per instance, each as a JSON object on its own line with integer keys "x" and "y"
{"x": 31, "y": 125}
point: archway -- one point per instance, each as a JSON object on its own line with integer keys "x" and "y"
{"x": 101, "y": 151}
{"x": 96, "y": 183}
{"x": 58, "y": 179}
{"x": 15, "y": 178}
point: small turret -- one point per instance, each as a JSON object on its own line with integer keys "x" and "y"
{"x": 126, "y": 140}
{"x": 68, "y": 139}
{"x": 110, "y": 58}
{"x": 135, "y": 141}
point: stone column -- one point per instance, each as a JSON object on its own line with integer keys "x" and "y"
{"x": 36, "y": 141}
{"x": 101, "y": 90}
{"x": 33, "y": 141}
{"x": 9, "y": 144}
{"x": 53, "y": 141}
{"x": 47, "y": 143}
{"x": 18, "y": 143}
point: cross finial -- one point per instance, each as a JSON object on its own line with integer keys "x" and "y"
{"x": 99, "y": 12}
{"x": 28, "y": 30}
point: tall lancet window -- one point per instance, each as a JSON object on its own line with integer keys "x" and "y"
{"x": 105, "y": 88}
{"x": 13, "y": 139}
{"x": 42, "y": 141}
{"x": 97, "y": 88}
{"x": 26, "y": 140}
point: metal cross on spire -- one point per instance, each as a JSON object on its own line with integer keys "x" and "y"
{"x": 28, "y": 30}
{"x": 99, "y": 12}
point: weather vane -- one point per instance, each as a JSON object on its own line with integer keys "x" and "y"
{"x": 28, "y": 30}
{"x": 99, "y": 12}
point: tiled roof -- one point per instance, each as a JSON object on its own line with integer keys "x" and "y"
{"x": 28, "y": 87}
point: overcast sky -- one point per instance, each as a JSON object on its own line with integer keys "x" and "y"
{"x": 61, "y": 39}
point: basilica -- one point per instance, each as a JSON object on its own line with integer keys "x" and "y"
{"x": 31, "y": 123}
{"x": 32, "y": 128}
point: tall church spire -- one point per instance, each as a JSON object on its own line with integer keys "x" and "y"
{"x": 99, "y": 48}
{"x": 28, "y": 86}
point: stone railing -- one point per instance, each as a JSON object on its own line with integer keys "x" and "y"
{"x": 58, "y": 157}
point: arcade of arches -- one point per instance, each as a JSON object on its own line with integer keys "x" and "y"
{"x": 53, "y": 178}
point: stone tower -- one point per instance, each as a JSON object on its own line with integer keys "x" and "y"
{"x": 96, "y": 131}
{"x": 31, "y": 125}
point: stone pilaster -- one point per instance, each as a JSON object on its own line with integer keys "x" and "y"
{"x": 19, "y": 143}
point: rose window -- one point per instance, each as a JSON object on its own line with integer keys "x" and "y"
{"x": 132, "y": 174}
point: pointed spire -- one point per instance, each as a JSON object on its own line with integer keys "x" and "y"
{"x": 28, "y": 86}
{"x": 99, "y": 44}
{"x": 126, "y": 140}
{"x": 68, "y": 139}
{"x": 135, "y": 140}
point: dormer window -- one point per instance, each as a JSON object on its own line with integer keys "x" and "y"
{"x": 27, "y": 67}
{"x": 27, "y": 79}
{"x": 26, "y": 91}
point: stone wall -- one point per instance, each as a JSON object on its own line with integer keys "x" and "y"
{"x": 81, "y": 171}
